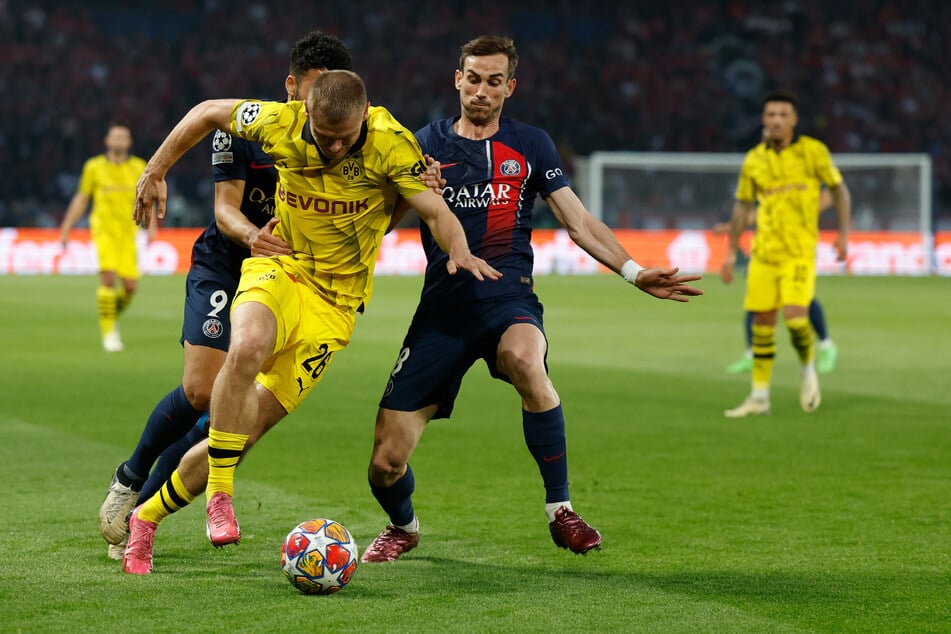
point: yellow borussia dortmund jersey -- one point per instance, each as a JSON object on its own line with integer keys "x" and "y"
{"x": 111, "y": 187}
{"x": 785, "y": 187}
{"x": 333, "y": 214}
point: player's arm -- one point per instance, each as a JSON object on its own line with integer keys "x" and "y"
{"x": 151, "y": 190}
{"x": 449, "y": 235}
{"x": 234, "y": 224}
{"x": 825, "y": 199}
{"x": 743, "y": 211}
{"x": 842, "y": 199}
{"x": 432, "y": 177}
{"x": 77, "y": 207}
{"x": 597, "y": 239}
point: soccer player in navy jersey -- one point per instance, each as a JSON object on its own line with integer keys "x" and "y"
{"x": 494, "y": 168}
{"x": 245, "y": 183}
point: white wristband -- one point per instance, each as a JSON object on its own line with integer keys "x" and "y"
{"x": 629, "y": 271}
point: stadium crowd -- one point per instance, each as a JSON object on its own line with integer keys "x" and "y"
{"x": 615, "y": 75}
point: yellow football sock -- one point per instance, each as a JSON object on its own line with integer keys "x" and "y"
{"x": 224, "y": 451}
{"x": 764, "y": 355}
{"x": 106, "y": 305}
{"x": 173, "y": 496}
{"x": 800, "y": 332}
{"x": 123, "y": 297}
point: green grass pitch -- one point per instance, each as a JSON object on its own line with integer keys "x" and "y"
{"x": 827, "y": 522}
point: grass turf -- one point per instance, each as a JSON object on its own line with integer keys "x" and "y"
{"x": 834, "y": 521}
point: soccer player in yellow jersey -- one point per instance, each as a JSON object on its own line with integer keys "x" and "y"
{"x": 341, "y": 165}
{"x": 108, "y": 180}
{"x": 781, "y": 177}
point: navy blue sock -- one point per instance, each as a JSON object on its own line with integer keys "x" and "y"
{"x": 748, "y": 330}
{"x": 169, "y": 460}
{"x": 397, "y": 500}
{"x": 171, "y": 419}
{"x": 817, "y": 318}
{"x": 545, "y": 437}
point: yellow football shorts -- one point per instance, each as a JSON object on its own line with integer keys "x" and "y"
{"x": 115, "y": 246}
{"x": 309, "y": 329}
{"x": 770, "y": 286}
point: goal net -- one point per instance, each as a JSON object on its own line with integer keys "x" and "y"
{"x": 891, "y": 193}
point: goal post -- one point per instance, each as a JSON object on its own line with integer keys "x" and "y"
{"x": 891, "y": 193}
{"x": 679, "y": 187}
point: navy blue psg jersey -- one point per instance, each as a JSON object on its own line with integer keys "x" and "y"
{"x": 491, "y": 185}
{"x": 233, "y": 158}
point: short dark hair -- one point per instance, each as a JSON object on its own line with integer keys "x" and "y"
{"x": 490, "y": 45}
{"x": 319, "y": 50}
{"x": 780, "y": 95}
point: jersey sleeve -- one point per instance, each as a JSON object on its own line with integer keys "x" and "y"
{"x": 745, "y": 186}
{"x": 826, "y": 170}
{"x": 550, "y": 172}
{"x": 229, "y": 157}
{"x": 251, "y": 120}
{"x": 87, "y": 179}
{"x": 404, "y": 163}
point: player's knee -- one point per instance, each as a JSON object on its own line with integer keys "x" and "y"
{"x": 521, "y": 366}
{"x": 386, "y": 467}
{"x": 246, "y": 356}
{"x": 198, "y": 392}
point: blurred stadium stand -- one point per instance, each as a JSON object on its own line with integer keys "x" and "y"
{"x": 872, "y": 76}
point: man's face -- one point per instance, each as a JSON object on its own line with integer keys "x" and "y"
{"x": 779, "y": 120}
{"x": 483, "y": 87}
{"x": 118, "y": 139}
{"x": 299, "y": 88}
{"x": 336, "y": 138}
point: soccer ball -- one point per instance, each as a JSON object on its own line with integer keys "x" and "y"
{"x": 319, "y": 556}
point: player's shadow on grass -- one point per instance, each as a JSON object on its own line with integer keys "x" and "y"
{"x": 786, "y": 588}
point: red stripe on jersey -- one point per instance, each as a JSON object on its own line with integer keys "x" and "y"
{"x": 509, "y": 171}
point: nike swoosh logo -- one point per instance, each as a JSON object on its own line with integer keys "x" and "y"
{"x": 260, "y": 166}
{"x": 449, "y": 164}
{"x": 554, "y": 458}
{"x": 523, "y": 318}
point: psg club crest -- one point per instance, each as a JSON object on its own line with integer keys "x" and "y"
{"x": 212, "y": 328}
{"x": 510, "y": 167}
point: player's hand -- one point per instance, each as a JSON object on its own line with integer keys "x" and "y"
{"x": 666, "y": 284}
{"x": 265, "y": 243}
{"x": 726, "y": 270}
{"x": 432, "y": 177}
{"x": 151, "y": 195}
{"x": 841, "y": 248}
{"x": 479, "y": 268}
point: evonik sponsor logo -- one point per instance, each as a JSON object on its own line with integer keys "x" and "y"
{"x": 322, "y": 205}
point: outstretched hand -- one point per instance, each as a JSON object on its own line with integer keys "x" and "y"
{"x": 666, "y": 284}
{"x": 479, "y": 268}
{"x": 265, "y": 243}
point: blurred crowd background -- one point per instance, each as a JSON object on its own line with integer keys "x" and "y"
{"x": 686, "y": 76}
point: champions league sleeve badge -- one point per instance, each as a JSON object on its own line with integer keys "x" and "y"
{"x": 247, "y": 113}
{"x": 221, "y": 148}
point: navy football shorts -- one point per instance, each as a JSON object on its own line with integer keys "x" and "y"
{"x": 208, "y": 295}
{"x": 443, "y": 343}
